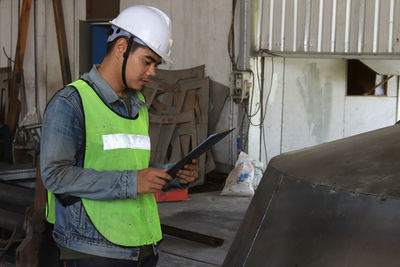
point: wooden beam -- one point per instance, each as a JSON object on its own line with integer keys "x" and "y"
{"x": 14, "y": 105}
{"x": 379, "y": 84}
{"x": 62, "y": 41}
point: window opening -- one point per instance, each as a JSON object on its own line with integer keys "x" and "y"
{"x": 363, "y": 81}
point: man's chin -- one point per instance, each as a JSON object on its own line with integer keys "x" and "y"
{"x": 137, "y": 88}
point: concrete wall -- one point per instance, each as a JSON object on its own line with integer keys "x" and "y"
{"x": 200, "y": 33}
{"x": 308, "y": 106}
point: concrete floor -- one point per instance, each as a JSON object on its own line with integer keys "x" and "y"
{"x": 205, "y": 213}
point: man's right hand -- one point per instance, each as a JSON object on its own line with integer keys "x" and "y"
{"x": 151, "y": 180}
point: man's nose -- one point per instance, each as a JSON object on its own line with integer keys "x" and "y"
{"x": 151, "y": 71}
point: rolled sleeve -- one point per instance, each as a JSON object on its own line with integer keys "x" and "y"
{"x": 131, "y": 185}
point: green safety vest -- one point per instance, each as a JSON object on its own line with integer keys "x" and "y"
{"x": 117, "y": 143}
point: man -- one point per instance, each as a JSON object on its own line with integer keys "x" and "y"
{"x": 95, "y": 151}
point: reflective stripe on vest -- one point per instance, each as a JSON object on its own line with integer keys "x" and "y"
{"x": 117, "y": 143}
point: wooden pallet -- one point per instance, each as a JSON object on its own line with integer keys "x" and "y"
{"x": 178, "y": 103}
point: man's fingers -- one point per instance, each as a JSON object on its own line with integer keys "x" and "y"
{"x": 151, "y": 180}
{"x": 160, "y": 181}
{"x": 156, "y": 187}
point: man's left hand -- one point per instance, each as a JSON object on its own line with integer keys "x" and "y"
{"x": 189, "y": 173}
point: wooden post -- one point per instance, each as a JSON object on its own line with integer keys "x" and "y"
{"x": 62, "y": 41}
{"x": 14, "y": 105}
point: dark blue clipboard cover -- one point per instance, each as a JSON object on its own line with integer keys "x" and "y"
{"x": 196, "y": 152}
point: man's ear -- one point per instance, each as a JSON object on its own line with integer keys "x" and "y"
{"x": 120, "y": 47}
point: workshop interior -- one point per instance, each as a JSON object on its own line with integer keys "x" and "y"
{"x": 306, "y": 93}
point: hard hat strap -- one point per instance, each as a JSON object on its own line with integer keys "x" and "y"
{"x": 126, "y": 55}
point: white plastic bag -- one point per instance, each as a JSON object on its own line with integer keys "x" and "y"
{"x": 258, "y": 172}
{"x": 240, "y": 180}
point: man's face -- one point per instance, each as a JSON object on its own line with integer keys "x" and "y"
{"x": 141, "y": 66}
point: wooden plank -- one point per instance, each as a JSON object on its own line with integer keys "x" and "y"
{"x": 190, "y": 102}
{"x": 169, "y": 119}
{"x": 176, "y": 151}
{"x": 180, "y": 149}
{"x": 178, "y": 76}
{"x": 185, "y": 87}
{"x": 154, "y": 134}
{"x": 168, "y": 124}
{"x": 62, "y": 41}
{"x": 14, "y": 106}
{"x": 164, "y": 142}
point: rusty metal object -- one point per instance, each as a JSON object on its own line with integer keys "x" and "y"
{"x": 14, "y": 105}
{"x": 9, "y": 219}
{"x": 22, "y": 177}
{"x": 35, "y": 227}
{"x": 193, "y": 236}
{"x": 62, "y": 41}
{"x": 178, "y": 76}
{"x": 335, "y": 204}
{"x": 171, "y": 95}
{"x": 15, "y": 195}
{"x": 28, "y": 251}
{"x": 14, "y": 200}
{"x": 9, "y": 242}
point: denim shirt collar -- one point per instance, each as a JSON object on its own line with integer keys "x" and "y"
{"x": 108, "y": 94}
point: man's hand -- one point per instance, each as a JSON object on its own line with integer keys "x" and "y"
{"x": 151, "y": 180}
{"x": 189, "y": 173}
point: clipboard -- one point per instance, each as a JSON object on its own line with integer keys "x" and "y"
{"x": 197, "y": 151}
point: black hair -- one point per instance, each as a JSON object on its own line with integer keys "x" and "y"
{"x": 111, "y": 45}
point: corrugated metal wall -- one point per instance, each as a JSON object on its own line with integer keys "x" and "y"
{"x": 341, "y": 27}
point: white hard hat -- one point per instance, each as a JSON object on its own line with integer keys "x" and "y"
{"x": 150, "y": 25}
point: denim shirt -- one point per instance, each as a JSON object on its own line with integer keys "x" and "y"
{"x": 61, "y": 160}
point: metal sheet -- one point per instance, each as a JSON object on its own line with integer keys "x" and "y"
{"x": 15, "y": 195}
{"x": 335, "y": 204}
{"x": 345, "y": 27}
{"x": 8, "y": 220}
{"x": 11, "y": 175}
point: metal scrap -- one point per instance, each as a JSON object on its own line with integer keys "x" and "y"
{"x": 178, "y": 103}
